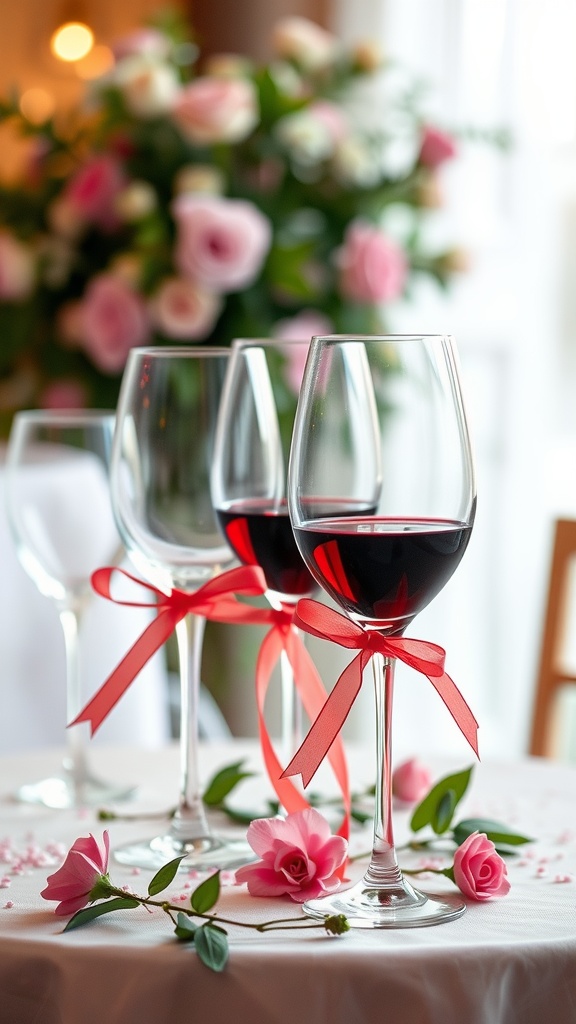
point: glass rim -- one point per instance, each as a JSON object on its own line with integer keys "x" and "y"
{"x": 413, "y": 336}
{"x": 74, "y": 416}
{"x": 238, "y": 343}
{"x": 184, "y": 351}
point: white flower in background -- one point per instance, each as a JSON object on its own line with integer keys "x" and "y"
{"x": 17, "y": 268}
{"x": 148, "y": 86}
{"x": 306, "y": 43}
{"x": 136, "y": 201}
{"x": 355, "y": 163}
{"x": 199, "y": 178}
{"x": 306, "y": 138}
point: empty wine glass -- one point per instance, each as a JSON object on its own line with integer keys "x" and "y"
{"x": 249, "y": 483}
{"x": 382, "y": 416}
{"x": 162, "y": 454}
{"x": 58, "y": 506}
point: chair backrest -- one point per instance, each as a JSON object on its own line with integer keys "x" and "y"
{"x": 553, "y": 674}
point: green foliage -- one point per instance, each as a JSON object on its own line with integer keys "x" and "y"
{"x": 164, "y": 876}
{"x": 438, "y": 806}
{"x": 83, "y": 917}
{"x": 206, "y": 895}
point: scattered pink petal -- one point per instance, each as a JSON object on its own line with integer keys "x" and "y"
{"x": 8, "y": 905}
{"x": 562, "y": 878}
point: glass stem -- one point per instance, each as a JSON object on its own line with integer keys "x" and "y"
{"x": 190, "y": 820}
{"x": 75, "y": 762}
{"x": 383, "y": 869}
{"x": 291, "y": 735}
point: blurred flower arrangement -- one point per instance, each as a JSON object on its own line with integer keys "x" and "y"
{"x": 190, "y": 202}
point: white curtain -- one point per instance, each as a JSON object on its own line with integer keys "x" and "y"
{"x": 494, "y": 63}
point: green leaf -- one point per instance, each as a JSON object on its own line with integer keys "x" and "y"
{"x": 444, "y": 811}
{"x": 495, "y": 831}
{"x": 99, "y": 909}
{"x": 221, "y": 784}
{"x": 164, "y": 876}
{"x": 185, "y": 929}
{"x": 206, "y": 894}
{"x": 211, "y": 945}
{"x": 434, "y": 807}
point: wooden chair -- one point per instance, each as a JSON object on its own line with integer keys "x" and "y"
{"x": 553, "y": 674}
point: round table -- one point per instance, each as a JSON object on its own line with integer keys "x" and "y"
{"x": 507, "y": 961}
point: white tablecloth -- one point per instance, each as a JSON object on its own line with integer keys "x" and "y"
{"x": 509, "y": 961}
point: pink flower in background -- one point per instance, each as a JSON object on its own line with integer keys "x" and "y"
{"x": 301, "y": 327}
{"x": 92, "y": 191}
{"x": 64, "y": 394}
{"x": 373, "y": 267}
{"x": 74, "y": 884}
{"x": 299, "y": 856}
{"x": 435, "y": 147}
{"x": 479, "y": 871}
{"x": 411, "y": 780}
{"x": 221, "y": 243}
{"x": 212, "y": 109}
{"x": 332, "y": 117}
{"x": 112, "y": 319}
{"x": 180, "y": 309}
{"x": 16, "y": 268}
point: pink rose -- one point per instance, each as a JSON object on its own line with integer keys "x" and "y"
{"x": 299, "y": 856}
{"x": 63, "y": 394}
{"x": 373, "y": 267}
{"x": 479, "y": 872}
{"x": 435, "y": 147}
{"x": 303, "y": 326}
{"x": 112, "y": 319}
{"x": 299, "y": 328}
{"x": 411, "y": 780}
{"x": 180, "y": 309}
{"x": 16, "y": 268}
{"x": 84, "y": 871}
{"x": 220, "y": 243}
{"x": 213, "y": 109}
{"x": 93, "y": 190}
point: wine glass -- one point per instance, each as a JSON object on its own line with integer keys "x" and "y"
{"x": 162, "y": 453}
{"x": 249, "y": 483}
{"x": 59, "y": 512}
{"x": 382, "y": 415}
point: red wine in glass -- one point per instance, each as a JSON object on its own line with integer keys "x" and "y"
{"x": 260, "y": 533}
{"x": 383, "y": 571}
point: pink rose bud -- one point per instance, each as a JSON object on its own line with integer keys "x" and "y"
{"x": 411, "y": 781}
{"x": 82, "y": 877}
{"x": 479, "y": 871}
{"x": 373, "y": 267}
{"x": 436, "y": 147}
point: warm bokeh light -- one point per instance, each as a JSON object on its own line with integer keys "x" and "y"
{"x": 72, "y": 41}
{"x": 36, "y": 105}
{"x": 96, "y": 63}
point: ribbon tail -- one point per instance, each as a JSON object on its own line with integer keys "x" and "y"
{"x": 313, "y": 695}
{"x": 108, "y": 695}
{"x": 288, "y": 795}
{"x": 329, "y": 721}
{"x": 461, "y": 713}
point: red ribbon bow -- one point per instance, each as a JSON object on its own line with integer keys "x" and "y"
{"x": 171, "y": 609}
{"x": 425, "y": 657}
{"x": 215, "y": 600}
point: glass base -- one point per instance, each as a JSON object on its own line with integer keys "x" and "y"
{"x": 367, "y": 905}
{"x": 62, "y": 792}
{"x": 208, "y": 853}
